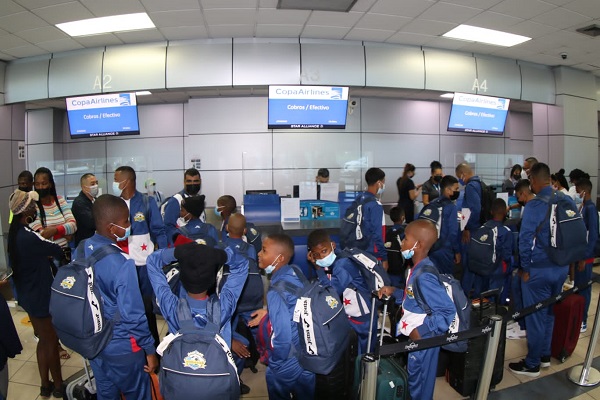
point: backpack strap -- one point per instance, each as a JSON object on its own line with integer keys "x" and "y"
{"x": 184, "y": 231}
{"x": 186, "y": 320}
{"x": 548, "y": 201}
{"x": 146, "y": 207}
{"x": 430, "y": 268}
{"x": 285, "y": 286}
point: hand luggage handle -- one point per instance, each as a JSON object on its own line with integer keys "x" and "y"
{"x": 489, "y": 293}
{"x": 385, "y": 300}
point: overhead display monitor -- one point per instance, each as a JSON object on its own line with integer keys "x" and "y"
{"x": 478, "y": 114}
{"x": 103, "y": 115}
{"x": 307, "y": 107}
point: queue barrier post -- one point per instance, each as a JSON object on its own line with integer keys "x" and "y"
{"x": 585, "y": 374}
{"x": 491, "y": 350}
{"x": 368, "y": 386}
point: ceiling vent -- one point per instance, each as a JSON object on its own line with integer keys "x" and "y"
{"x": 320, "y": 5}
{"x": 592, "y": 30}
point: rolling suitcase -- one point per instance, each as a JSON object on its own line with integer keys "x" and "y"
{"x": 464, "y": 368}
{"x": 568, "y": 315}
{"x": 338, "y": 383}
{"x": 81, "y": 385}
{"x": 392, "y": 377}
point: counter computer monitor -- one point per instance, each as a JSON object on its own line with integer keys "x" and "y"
{"x": 478, "y": 114}
{"x": 262, "y": 191}
{"x": 308, "y": 107}
{"x": 103, "y": 115}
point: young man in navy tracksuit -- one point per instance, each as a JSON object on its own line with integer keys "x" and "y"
{"x": 373, "y": 224}
{"x": 343, "y": 275}
{"x": 393, "y": 236}
{"x": 540, "y": 278}
{"x": 448, "y": 252}
{"x": 226, "y": 207}
{"x": 583, "y": 269}
{"x": 121, "y": 366}
{"x": 415, "y": 322}
{"x": 190, "y": 226}
{"x": 192, "y": 182}
{"x": 284, "y": 374}
{"x": 147, "y": 229}
{"x": 471, "y": 201}
{"x": 504, "y": 245}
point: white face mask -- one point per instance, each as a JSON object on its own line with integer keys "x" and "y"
{"x": 116, "y": 189}
{"x": 271, "y": 267}
{"x": 93, "y": 190}
{"x": 381, "y": 189}
{"x": 181, "y": 221}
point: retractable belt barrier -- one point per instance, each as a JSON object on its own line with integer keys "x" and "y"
{"x": 437, "y": 341}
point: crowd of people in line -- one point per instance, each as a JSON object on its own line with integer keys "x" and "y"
{"x": 151, "y": 236}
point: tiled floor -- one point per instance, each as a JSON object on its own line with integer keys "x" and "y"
{"x": 24, "y": 377}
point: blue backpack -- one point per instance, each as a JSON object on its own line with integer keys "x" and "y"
{"x": 568, "y": 233}
{"x": 462, "y": 319}
{"x": 351, "y": 228}
{"x": 253, "y": 293}
{"x": 77, "y": 307}
{"x": 202, "y": 234}
{"x": 323, "y": 327}
{"x": 198, "y": 360}
{"x": 433, "y": 212}
{"x": 482, "y": 250}
{"x": 373, "y": 273}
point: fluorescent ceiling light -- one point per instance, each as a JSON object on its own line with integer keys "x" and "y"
{"x": 115, "y": 23}
{"x": 483, "y": 35}
{"x": 143, "y": 93}
{"x": 447, "y": 95}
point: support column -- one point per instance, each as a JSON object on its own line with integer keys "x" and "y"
{"x": 565, "y": 135}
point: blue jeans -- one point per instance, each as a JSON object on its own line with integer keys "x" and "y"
{"x": 542, "y": 284}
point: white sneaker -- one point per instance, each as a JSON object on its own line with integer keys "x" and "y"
{"x": 511, "y": 325}
{"x": 516, "y": 333}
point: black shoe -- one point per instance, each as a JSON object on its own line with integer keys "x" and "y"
{"x": 521, "y": 368}
{"x": 545, "y": 362}
{"x": 244, "y": 389}
{"x": 46, "y": 391}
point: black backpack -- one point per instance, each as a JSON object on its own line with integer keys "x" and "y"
{"x": 434, "y": 212}
{"x": 351, "y": 228}
{"x": 487, "y": 198}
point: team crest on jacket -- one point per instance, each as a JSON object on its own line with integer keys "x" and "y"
{"x": 570, "y": 213}
{"x": 331, "y": 302}
{"x": 427, "y": 212}
{"x": 409, "y": 292}
{"x": 68, "y": 282}
{"x": 483, "y": 238}
{"x": 200, "y": 241}
{"x": 139, "y": 217}
{"x": 194, "y": 360}
{"x": 253, "y": 231}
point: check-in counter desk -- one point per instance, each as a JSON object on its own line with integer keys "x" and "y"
{"x": 263, "y": 210}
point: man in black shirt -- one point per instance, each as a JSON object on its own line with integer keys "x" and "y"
{"x": 82, "y": 208}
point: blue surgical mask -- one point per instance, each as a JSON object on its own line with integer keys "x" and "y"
{"x": 116, "y": 190}
{"x": 125, "y": 236}
{"x": 381, "y": 189}
{"x": 271, "y": 267}
{"x": 217, "y": 212}
{"x": 327, "y": 261}
{"x": 578, "y": 199}
{"x": 408, "y": 254}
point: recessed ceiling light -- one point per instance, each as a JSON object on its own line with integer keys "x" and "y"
{"x": 447, "y": 95}
{"x": 143, "y": 93}
{"x": 483, "y": 35}
{"x": 115, "y": 23}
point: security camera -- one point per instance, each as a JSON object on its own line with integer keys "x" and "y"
{"x": 564, "y": 56}
{"x": 353, "y": 103}
{"x": 351, "y": 106}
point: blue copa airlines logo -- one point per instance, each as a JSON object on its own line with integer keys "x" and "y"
{"x": 336, "y": 93}
{"x": 124, "y": 99}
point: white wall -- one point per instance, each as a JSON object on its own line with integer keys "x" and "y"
{"x": 238, "y": 152}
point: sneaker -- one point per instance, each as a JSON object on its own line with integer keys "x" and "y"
{"x": 583, "y": 327}
{"x": 58, "y": 393}
{"x": 516, "y": 333}
{"x": 545, "y": 362}
{"x": 36, "y": 337}
{"x": 46, "y": 391}
{"x": 511, "y": 325}
{"x": 520, "y": 368}
{"x": 244, "y": 389}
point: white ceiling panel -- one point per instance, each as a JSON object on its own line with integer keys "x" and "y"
{"x": 42, "y": 34}
{"x": 177, "y": 18}
{"x": 330, "y": 18}
{"x": 531, "y": 29}
{"x": 369, "y": 35}
{"x": 280, "y": 17}
{"x": 324, "y": 32}
{"x": 493, "y": 20}
{"x": 231, "y": 30}
{"x": 410, "y": 38}
{"x": 562, "y": 18}
{"x": 450, "y": 13}
{"x": 211, "y": 4}
{"x": 431, "y": 28}
{"x": 268, "y": 3}
{"x": 55, "y": 46}
{"x": 25, "y": 51}
{"x": 21, "y": 21}
{"x": 483, "y": 4}
{"x": 382, "y": 22}
{"x": 558, "y": 2}
{"x": 585, "y": 7}
{"x": 171, "y": 5}
{"x": 10, "y": 7}
{"x": 107, "y": 39}
{"x": 31, "y": 4}
{"x": 445, "y": 43}
{"x": 12, "y": 41}
{"x": 284, "y": 31}
{"x": 184, "y": 32}
{"x": 523, "y": 8}
{"x": 145, "y": 36}
{"x": 65, "y": 12}
{"x": 363, "y": 5}
{"x": 238, "y": 16}
{"x": 113, "y": 7}
{"x": 406, "y": 8}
